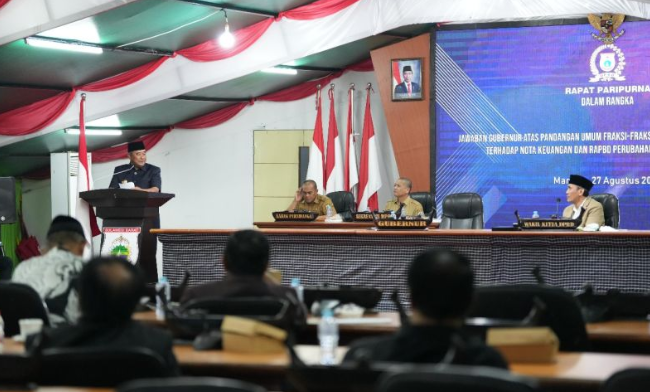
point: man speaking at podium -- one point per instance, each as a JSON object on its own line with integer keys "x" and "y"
{"x": 577, "y": 193}
{"x": 137, "y": 174}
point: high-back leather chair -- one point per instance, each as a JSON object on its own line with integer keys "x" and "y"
{"x": 449, "y": 378}
{"x": 427, "y": 201}
{"x": 189, "y": 384}
{"x": 628, "y": 380}
{"x": 98, "y": 366}
{"x": 20, "y": 301}
{"x": 610, "y": 208}
{"x": 343, "y": 203}
{"x": 562, "y": 312}
{"x": 462, "y": 211}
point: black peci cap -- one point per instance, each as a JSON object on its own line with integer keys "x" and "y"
{"x": 136, "y": 146}
{"x": 581, "y": 181}
{"x": 65, "y": 223}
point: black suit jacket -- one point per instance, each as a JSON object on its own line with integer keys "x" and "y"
{"x": 126, "y": 335}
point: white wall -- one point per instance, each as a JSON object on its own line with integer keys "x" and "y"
{"x": 211, "y": 170}
{"x": 37, "y": 208}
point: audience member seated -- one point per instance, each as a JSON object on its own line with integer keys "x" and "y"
{"x": 109, "y": 290}
{"x": 245, "y": 259}
{"x": 53, "y": 275}
{"x": 441, "y": 283}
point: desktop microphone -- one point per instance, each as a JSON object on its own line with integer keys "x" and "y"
{"x": 557, "y": 208}
{"x": 124, "y": 171}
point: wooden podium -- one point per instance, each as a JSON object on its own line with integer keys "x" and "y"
{"x": 133, "y": 213}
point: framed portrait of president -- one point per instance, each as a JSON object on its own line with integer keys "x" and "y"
{"x": 407, "y": 79}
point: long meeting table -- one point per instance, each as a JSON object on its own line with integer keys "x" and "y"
{"x": 342, "y": 254}
{"x": 571, "y": 371}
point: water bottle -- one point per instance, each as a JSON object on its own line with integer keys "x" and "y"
{"x": 328, "y": 211}
{"x": 300, "y": 290}
{"x": 402, "y": 213}
{"x": 535, "y": 215}
{"x": 162, "y": 285}
{"x": 328, "y": 337}
{"x": 393, "y": 215}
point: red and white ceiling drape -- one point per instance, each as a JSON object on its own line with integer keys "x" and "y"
{"x": 43, "y": 113}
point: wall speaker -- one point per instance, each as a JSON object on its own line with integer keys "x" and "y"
{"x": 7, "y": 200}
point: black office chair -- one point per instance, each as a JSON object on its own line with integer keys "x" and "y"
{"x": 189, "y": 384}
{"x": 17, "y": 370}
{"x": 19, "y": 301}
{"x": 347, "y": 377}
{"x": 462, "y": 211}
{"x": 610, "y": 208}
{"x": 628, "y": 380}
{"x": 344, "y": 204}
{"x": 203, "y": 314}
{"x": 562, "y": 313}
{"x": 427, "y": 200}
{"x": 98, "y": 366}
{"x": 448, "y": 378}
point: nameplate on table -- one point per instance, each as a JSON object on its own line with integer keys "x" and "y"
{"x": 368, "y": 216}
{"x": 281, "y": 216}
{"x": 548, "y": 224}
{"x": 407, "y": 224}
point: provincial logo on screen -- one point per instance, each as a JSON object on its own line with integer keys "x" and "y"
{"x": 607, "y": 61}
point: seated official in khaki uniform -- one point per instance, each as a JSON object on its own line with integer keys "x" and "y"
{"x": 308, "y": 199}
{"x": 402, "y": 203}
{"x": 577, "y": 193}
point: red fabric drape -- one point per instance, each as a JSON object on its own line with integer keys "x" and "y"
{"x": 125, "y": 78}
{"x": 214, "y": 118}
{"x": 317, "y": 9}
{"x": 300, "y": 91}
{"x": 119, "y": 151}
{"x": 29, "y": 119}
{"x": 211, "y": 51}
{"x": 3, "y": 2}
{"x": 362, "y": 66}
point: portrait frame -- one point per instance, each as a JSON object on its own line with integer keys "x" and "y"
{"x": 398, "y": 73}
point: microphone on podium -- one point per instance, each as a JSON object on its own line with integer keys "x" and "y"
{"x": 557, "y": 209}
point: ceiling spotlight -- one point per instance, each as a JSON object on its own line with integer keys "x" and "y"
{"x": 226, "y": 39}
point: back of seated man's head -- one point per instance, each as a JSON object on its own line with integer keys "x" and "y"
{"x": 442, "y": 285}
{"x": 247, "y": 253}
{"x": 109, "y": 290}
{"x": 66, "y": 233}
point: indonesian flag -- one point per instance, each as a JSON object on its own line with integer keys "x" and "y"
{"x": 369, "y": 179}
{"x": 315, "y": 170}
{"x": 334, "y": 158}
{"x": 84, "y": 212}
{"x": 397, "y": 76}
{"x": 351, "y": 171}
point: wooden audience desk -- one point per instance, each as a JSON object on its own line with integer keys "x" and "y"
{"x": 631, "y": 336}
{"x": 583, "y": 371}
{"x": 616, "y": 260}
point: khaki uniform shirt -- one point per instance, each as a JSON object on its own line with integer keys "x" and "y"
{"x": 412, "y": 207}
{"x": 319, "y": 205}
{"x": 593, "y": 212}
